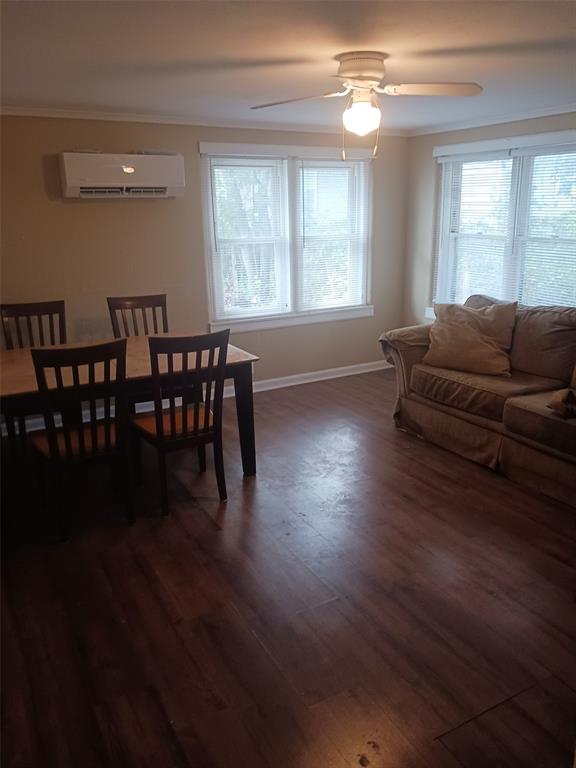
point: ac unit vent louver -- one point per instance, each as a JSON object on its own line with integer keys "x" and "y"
{"x": 147, "y": 191}
{"x": 101, "y": 191}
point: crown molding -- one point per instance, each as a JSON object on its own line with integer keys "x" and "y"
{"x": 128, "y": 117}
{"x": 511, "y": 117}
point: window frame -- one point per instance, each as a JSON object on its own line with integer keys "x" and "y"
{"x": 292, "y": 158}
{"x": 282, "y": 260}
{"x": 522, "y": 152}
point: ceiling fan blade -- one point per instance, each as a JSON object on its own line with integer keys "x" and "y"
{"x": 232, "y": 64}
{"x": 303, "y": 98}
{"x": 433, "y": 89}
{"x": 509, "y": 48}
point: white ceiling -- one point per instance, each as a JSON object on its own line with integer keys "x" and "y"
{"x": 207, "y": 62}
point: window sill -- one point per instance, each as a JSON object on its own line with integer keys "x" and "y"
{"x": 283, "y": 321}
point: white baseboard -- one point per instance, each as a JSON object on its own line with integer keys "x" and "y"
{"x": 262, "y": 385}
{"x": 34, "y": 423}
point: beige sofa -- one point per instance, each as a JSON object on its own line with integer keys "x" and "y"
{"x": 501, "y": 422}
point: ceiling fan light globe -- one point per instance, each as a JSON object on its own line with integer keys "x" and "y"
{"x": 361, "y": 118}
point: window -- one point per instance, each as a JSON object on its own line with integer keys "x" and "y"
{"x": 249, "y": 257}
{"x": 507, "y": 226}
{"x": 288, "y": 238}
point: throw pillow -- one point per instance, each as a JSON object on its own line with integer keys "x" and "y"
{"x": 563, "y": 403}
{"x": 472, "y": 340}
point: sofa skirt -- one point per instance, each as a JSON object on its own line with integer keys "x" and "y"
{"x": 470, "y": 437}
{"x": 539, "y": 471}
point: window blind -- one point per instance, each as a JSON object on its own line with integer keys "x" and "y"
{"x": 249, "y": 244}
{"x": 332, "y": 235}
{"x": 507, "y": 227}
{"x": 547, "y": 239}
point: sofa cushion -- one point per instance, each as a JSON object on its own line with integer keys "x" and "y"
{"x": 476, "y": 393}
{"x": 530, "y": 417}
{"x": 544, "y": 341}
{"x": 474, "y": 340}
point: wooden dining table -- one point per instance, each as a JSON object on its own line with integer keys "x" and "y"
{"x": 19, "y": 396}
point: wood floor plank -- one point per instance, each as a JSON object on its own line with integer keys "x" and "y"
{"x": 367, "y": 599}
{"x": 18, "y": 718}
{"x": 365, "y": 736}
{"x": 534, "y": 729}
{"x": 59, "y": 689}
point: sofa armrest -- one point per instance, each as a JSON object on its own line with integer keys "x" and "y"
{"x": 405, "y": 338}
{"x": 404, "y": 347}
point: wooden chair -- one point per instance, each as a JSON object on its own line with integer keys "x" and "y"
{"x": 79, "y": 387}
{"x": 197, "y": 421}
{"x": 130, "y": 308}
{"x": 32, "y": 324}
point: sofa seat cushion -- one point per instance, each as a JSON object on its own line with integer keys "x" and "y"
{"x": 483, "y": 395}
{"x": 530, "y": 417}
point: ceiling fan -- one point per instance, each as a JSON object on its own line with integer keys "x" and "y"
{"x": 361, "y": 73}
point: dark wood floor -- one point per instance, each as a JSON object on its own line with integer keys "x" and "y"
{"x": 367, "y": 600}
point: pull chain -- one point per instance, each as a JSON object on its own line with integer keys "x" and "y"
{"x": 375, "y": 150}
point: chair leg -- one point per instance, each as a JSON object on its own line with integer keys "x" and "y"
{"x": 128, "y": 486}
{"x": 136, "y": 450}
{"x": 163, "y": 482}
{"x": 60, "y": 506}
{"x": 219, "y": 466}
{"x": 41, "y": 480}
{"x": 202, "y": 457}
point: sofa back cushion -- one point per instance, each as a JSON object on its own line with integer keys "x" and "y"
{"x": 544, "y": 340}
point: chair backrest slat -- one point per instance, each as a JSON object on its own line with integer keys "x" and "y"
{"x": 107, "y": 410}
{"x": 13, "y": 315}
{"x": 145, "y": 319}
{"x": 209, "y": 383}
{"x": 133, "y": 312}
{"x": 19, "y": 332}
{"x": 72, "y": 392}
{"x": 52, "y": 331}
{"x": 185, "y": 377}
{"x": 135, "y": 322}
{"x": 171, "y": 394}
{"x": 200, "y": 387}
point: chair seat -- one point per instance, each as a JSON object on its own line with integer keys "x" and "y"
{"x": 40, "y": 441}
{"x": 147, "y": 422}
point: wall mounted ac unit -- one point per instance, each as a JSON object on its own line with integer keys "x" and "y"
{"x": 93, "y": 175}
